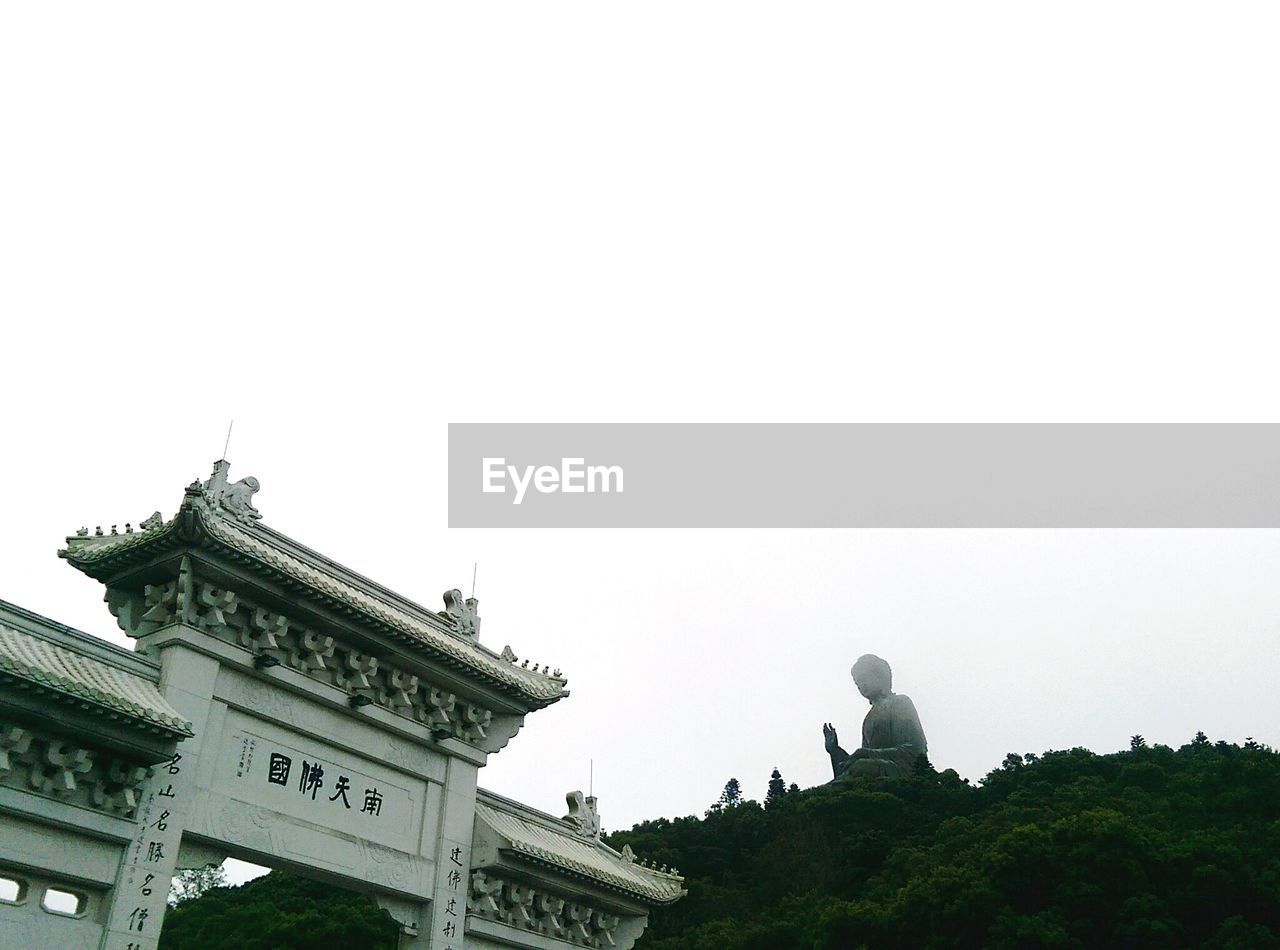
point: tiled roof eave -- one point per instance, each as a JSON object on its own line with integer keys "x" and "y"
{"x": 617, "y": 884}
{"x": 192, "y": 526}
{"x": 109, "y": 560}
{"x": 531, "y": 700}
{"x": 146, "y": 721}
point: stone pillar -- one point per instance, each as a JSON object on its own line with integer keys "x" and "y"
{"x": 448, "y": 913}
{"x": 138, "y": 901}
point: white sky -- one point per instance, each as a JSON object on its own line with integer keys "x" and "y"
{"x": 346, "y": 226}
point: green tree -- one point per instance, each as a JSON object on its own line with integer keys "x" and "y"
{"x": 1170, "y": 848}
{"x": 731, "y": 797}
{"x": 278, "y": 912}
{"x": 777, "y": 789}
{"x": 195, "y": 882}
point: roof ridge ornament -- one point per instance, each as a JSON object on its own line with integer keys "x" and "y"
{"x": 235, "y": 498}
{"x": 583, "y": 814}
{"x": 462, "y": 615}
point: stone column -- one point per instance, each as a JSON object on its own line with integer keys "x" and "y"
{"x": 448, "y": 913}
{"x": 138, "y": 901}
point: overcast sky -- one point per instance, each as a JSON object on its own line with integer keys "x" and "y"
{"x": 694, "y": 656}
{"x": 346, "y": 226}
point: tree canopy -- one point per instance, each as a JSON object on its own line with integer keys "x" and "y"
{"x": 278, "y": 912}
{"x": 1152, "y": 847}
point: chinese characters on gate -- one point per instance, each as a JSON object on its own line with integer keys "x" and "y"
{"x": 450, "y": 928}
{"x": 155, "y": 853}
{"x": 311, "y": 779}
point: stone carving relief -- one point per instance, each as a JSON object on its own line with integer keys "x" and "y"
{"x": 51, "y": 766}
{"x": 521, "y": 905}
{"x": 389, "y": 867}
{"x": 583, "y": 814}
{"x": 238, "y": 822}
{"x": 267, "y": 633}
{"x": 234, "y": 497}
{"x": 463, "y": 615}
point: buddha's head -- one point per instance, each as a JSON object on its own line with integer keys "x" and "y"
{"x": 872, "y": 676}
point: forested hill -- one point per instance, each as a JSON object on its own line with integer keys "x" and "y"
{"x": 1148, "y": 848}
{"x": 278, "y": 912}
{"x": 1153, "y": 847}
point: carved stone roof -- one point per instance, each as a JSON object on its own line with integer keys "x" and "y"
{"x": 206, "y": 520}
{"x": 539, "y": 837}
{"x": 70, "y": 676}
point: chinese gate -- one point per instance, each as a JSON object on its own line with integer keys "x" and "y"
{"x": 282, "y": 709}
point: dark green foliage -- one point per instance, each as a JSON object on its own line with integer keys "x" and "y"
{"x": 1153, "y": 847}
{"x": 278, "y": 912}
{"x": 777, "y": 789}
{"x": 731, "y": 797}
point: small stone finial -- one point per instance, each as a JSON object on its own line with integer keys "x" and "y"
{"x": 97, "y": 531}
{"x": 583, "y": 814}
{"x": 462, "y": 614}
{"x": 113, "y": 530}
{"x": 155, "y": 520}
{"x": 217, "y": 483}
{"x": 555, "y": 672}
{"x": 508, "y": 654}
{"x": 628, "y": 855}
{"x": 82, "y": 533}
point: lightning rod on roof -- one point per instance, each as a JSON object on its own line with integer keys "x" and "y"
{"x": 226, "y": 445}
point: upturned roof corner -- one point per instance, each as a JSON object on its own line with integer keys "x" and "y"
{"x": 513, "y": 836}
{"x": 218, "y": 525}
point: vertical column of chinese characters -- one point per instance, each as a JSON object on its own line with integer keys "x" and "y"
{"x": 143, "y": 884}
{"x": 451, "y": 901}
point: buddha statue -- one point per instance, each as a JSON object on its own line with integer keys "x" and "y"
{"x": 892, "y": 739}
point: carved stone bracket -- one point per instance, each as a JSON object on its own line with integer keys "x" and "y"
{"x": 15, "y": 744}
{"x": 55, "y": 772}
{"x": 355, "y": 671}
{"x": 532, "y": 908}
{"x": 52, "y": 766}
{"x": 118, "y": 791}
{"x": 231, "y": 617}
{"x": 310, "y": 652}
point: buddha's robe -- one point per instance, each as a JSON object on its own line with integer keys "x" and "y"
{"x": 892, "y": 740}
